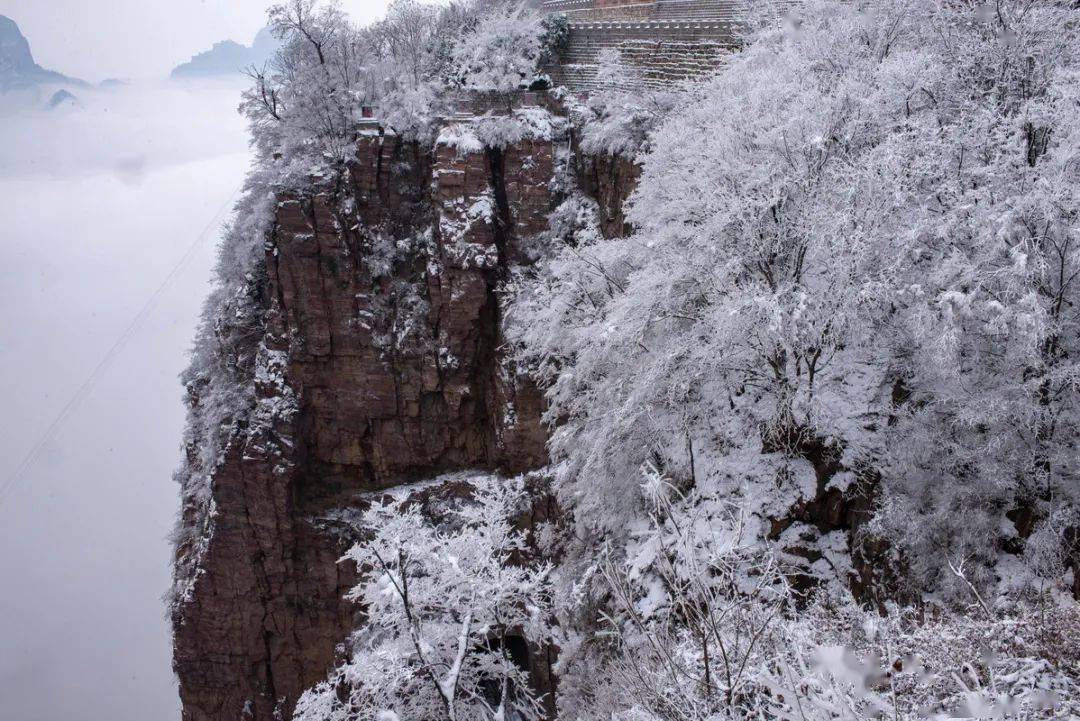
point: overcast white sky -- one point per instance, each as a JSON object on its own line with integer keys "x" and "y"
{"x": 97, "y": 39}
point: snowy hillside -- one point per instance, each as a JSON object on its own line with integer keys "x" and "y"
{"x": 801, "y": 339}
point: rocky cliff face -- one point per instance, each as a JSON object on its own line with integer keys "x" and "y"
{"x": 376, "y": 359}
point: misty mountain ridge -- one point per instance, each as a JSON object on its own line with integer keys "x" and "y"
{"x": 229, "y": 57}
{"x": 17, "y": 66}
{"x": 62, "y": 98}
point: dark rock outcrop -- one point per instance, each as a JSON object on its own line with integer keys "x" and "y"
{"x": 609, "y": 179}
{"x": 62, "y": 98}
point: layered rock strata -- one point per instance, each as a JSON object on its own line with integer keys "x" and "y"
{"x": 380, "y": 362}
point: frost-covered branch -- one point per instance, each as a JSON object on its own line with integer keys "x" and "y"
{"x": 442, "y": 596}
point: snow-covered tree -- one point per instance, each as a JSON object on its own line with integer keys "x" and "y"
{"x": 407, "y": 35}
{"x": 410, "y": 57}
{"x": 855, "y": 262}
{"x": 699, "y": 624}
{"x": 501, "y": 52}
{"x": 695, "y": 602}
{"x": 623, "y": 112}
{"x": 443, "y": 598}
{"x": 304, "y": 105}
{"x": 858, "y": 243}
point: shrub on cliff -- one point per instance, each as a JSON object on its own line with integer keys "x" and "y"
{"x": 305, "y": 106}
{"x": 620, "y": 117}
{"x": 501, "y": 52}
{"x": 697, "y": 622}
{"x": 445, "y": 602}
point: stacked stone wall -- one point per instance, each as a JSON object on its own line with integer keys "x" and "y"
{"x": 696, "y": 10}
{"x": 666, "y": 41}
{"x": 578, "y": 11}
{"x": 662, "y": 52}
{"x": 616, "y": 10}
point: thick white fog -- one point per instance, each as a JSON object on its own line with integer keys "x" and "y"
{"x": 98, "y": 203}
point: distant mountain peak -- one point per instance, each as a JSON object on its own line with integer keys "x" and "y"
{"x": 17, "y": 66}
{"x": 227, "y": 57}
{"x": 15, "y": 52}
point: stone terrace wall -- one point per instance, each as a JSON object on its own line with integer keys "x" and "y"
{"x": 586, "y": 10}
{"x": 697, "y": 10}
{"x": 613, "y": 10}
{"x": 664, "y": 52}
{"x": 665, "y": 40}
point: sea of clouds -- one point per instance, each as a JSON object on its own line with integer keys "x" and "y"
{"x": 100, "y": 200}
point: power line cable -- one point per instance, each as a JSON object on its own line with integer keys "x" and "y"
{"x": 110, "y": 356}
